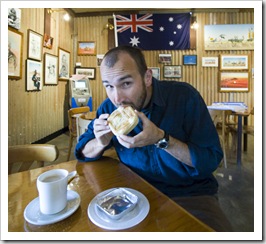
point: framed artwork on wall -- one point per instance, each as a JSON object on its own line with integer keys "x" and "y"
{"x": 234, "y": 82}
{"x": 155, "y": 72}
{"x": 189, "y": 59}
{"x": 229, "y": 37}
{"x": 35, "y": 43}
{"x": 87, "y": 48}
{"x": 63, "y": 64}
{"x": 165, "y": 58}
{"x": 234, "y": 62}
{"x": 172, "y": 71}
{"x": 209, "y": 61}
{"x": 15, "y": 41}
{"x": 90, "y": 72}
{"x": 14, "y": 18}
{"x": 34, "y": 75}
{"x": 48, "y": 41}
{"x": 50, "y": 69}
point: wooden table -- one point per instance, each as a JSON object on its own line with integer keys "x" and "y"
{"x": 93, "y": 178}
{"x": 239, "y": 129}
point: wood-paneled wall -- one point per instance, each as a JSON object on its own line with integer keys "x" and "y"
{"x": 35, "y": 115}
{"x": 204, "y": 79}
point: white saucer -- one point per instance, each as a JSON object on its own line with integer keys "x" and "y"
{"x": 34, "y": 216}
{"x": 131, "y": 219}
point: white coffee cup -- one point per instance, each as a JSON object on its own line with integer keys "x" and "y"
{"x": 52, "y": 188}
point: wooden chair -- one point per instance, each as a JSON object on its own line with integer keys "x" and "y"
{"x": 220, "y": 117}
{"x": 82, "y": 125}
{"x": 73, "y": 113}
{"x": 22, "y": 157}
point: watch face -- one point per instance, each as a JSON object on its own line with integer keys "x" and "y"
{"x": 163, "y": 144}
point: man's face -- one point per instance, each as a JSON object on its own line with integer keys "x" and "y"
{"x": 124, "y": 84}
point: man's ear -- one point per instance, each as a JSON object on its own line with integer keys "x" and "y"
{"x": 148, "y": 77}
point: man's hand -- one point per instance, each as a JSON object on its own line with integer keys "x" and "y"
{"x": 150, "y": 134}
{"x": 102, "y": 131}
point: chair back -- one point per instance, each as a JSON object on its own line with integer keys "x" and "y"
{"x": 24, "y": 156}
{"x": 72, "y": 117}
{"x": 82, "y": 125}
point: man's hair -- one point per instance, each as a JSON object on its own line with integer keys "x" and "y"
{"x": 111, "y": 57}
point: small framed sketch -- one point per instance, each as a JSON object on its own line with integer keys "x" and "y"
{"x": 210, "y": 61}
{"x": 234, "y": 82}
{"x": 155, "y": 72}
{"x": 14, "y": 18}
{"x": 234, "y": 62}
{"x": 35, "y": 43}
{"x": 34, "y": 75}
{"x": 89, "y": 72}
{"x": 15, "y": 40}
{"x": 172, "y": 71}
{"x": 50, "y": 69}
{"x": 63, "y": 64}
{"x": 190, "y": 59}
{"x": 86, "y": 48}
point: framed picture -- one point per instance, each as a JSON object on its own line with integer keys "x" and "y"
{"x": 172, "y": 71}
{"x": 14, "y": 18}
{"x": 86, "y": 48}
{"x": 210, "y": 61}
{"x": 48, "y": 41}
{"x": 234, "y": 82}
{"x": 63, "y": 64}
{"x": 90, "y": 72}
{"x": 165, "y": 58}
{"x": 15, "y": 41}
{"x": 50, "y": 69}
{"x": 34, "y": 75}
{"x": 234, "y": 62}
{"x": 155, "y": 72}
{"x": 35, "y": 42}
{"x": 229, "y": 37}
{"x": 190, "y": 59}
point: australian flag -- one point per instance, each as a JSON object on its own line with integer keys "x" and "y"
{"x": 154, "y": 31}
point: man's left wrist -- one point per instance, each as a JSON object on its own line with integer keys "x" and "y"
{"x": 163, "y": 143}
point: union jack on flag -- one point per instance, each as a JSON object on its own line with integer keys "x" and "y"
{"x": 134, "y": 22}
{"x": 153, "y": 31}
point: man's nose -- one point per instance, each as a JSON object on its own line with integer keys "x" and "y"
{"x": 118, "y": 97}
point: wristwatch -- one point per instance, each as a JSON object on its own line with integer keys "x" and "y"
{"x": 164, "y": 142}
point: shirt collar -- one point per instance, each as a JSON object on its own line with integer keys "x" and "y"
{"x": 157, "y": 97}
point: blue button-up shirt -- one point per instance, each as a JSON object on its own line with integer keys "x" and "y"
{"x": 179, "y": 109}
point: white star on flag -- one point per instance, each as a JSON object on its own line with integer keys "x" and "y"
{"x": 134, "y": 41}
{"x": 171, "y": 43}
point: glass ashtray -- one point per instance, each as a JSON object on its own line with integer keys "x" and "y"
{"x": 117, "y": 203}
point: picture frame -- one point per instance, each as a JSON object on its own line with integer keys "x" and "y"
{"x": 15, "y": 41}
{"x": 234, "y": 82}
{"x": 189, "y": 59}
{"x": 234, "y": 62}
{"x": 14, "y": 17}
{"x": 210, "y": 61}
{"x": 50, "y": 69}
{"x": 34, "y": 75}
{"x": 172, "y": 71}
{"x": 86, "y": 48}
{"x": 229, "y": 37}
{"x": 165, "y": 58}
{"x": 63, "y": 64}
{"x": 155, "y": 72}
{"x": 35, "y": 44}
{"x": 87, "y": 71}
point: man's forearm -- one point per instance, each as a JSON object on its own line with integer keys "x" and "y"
{"x": 179, "y": 150}
{"x": 92, "y": 149}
